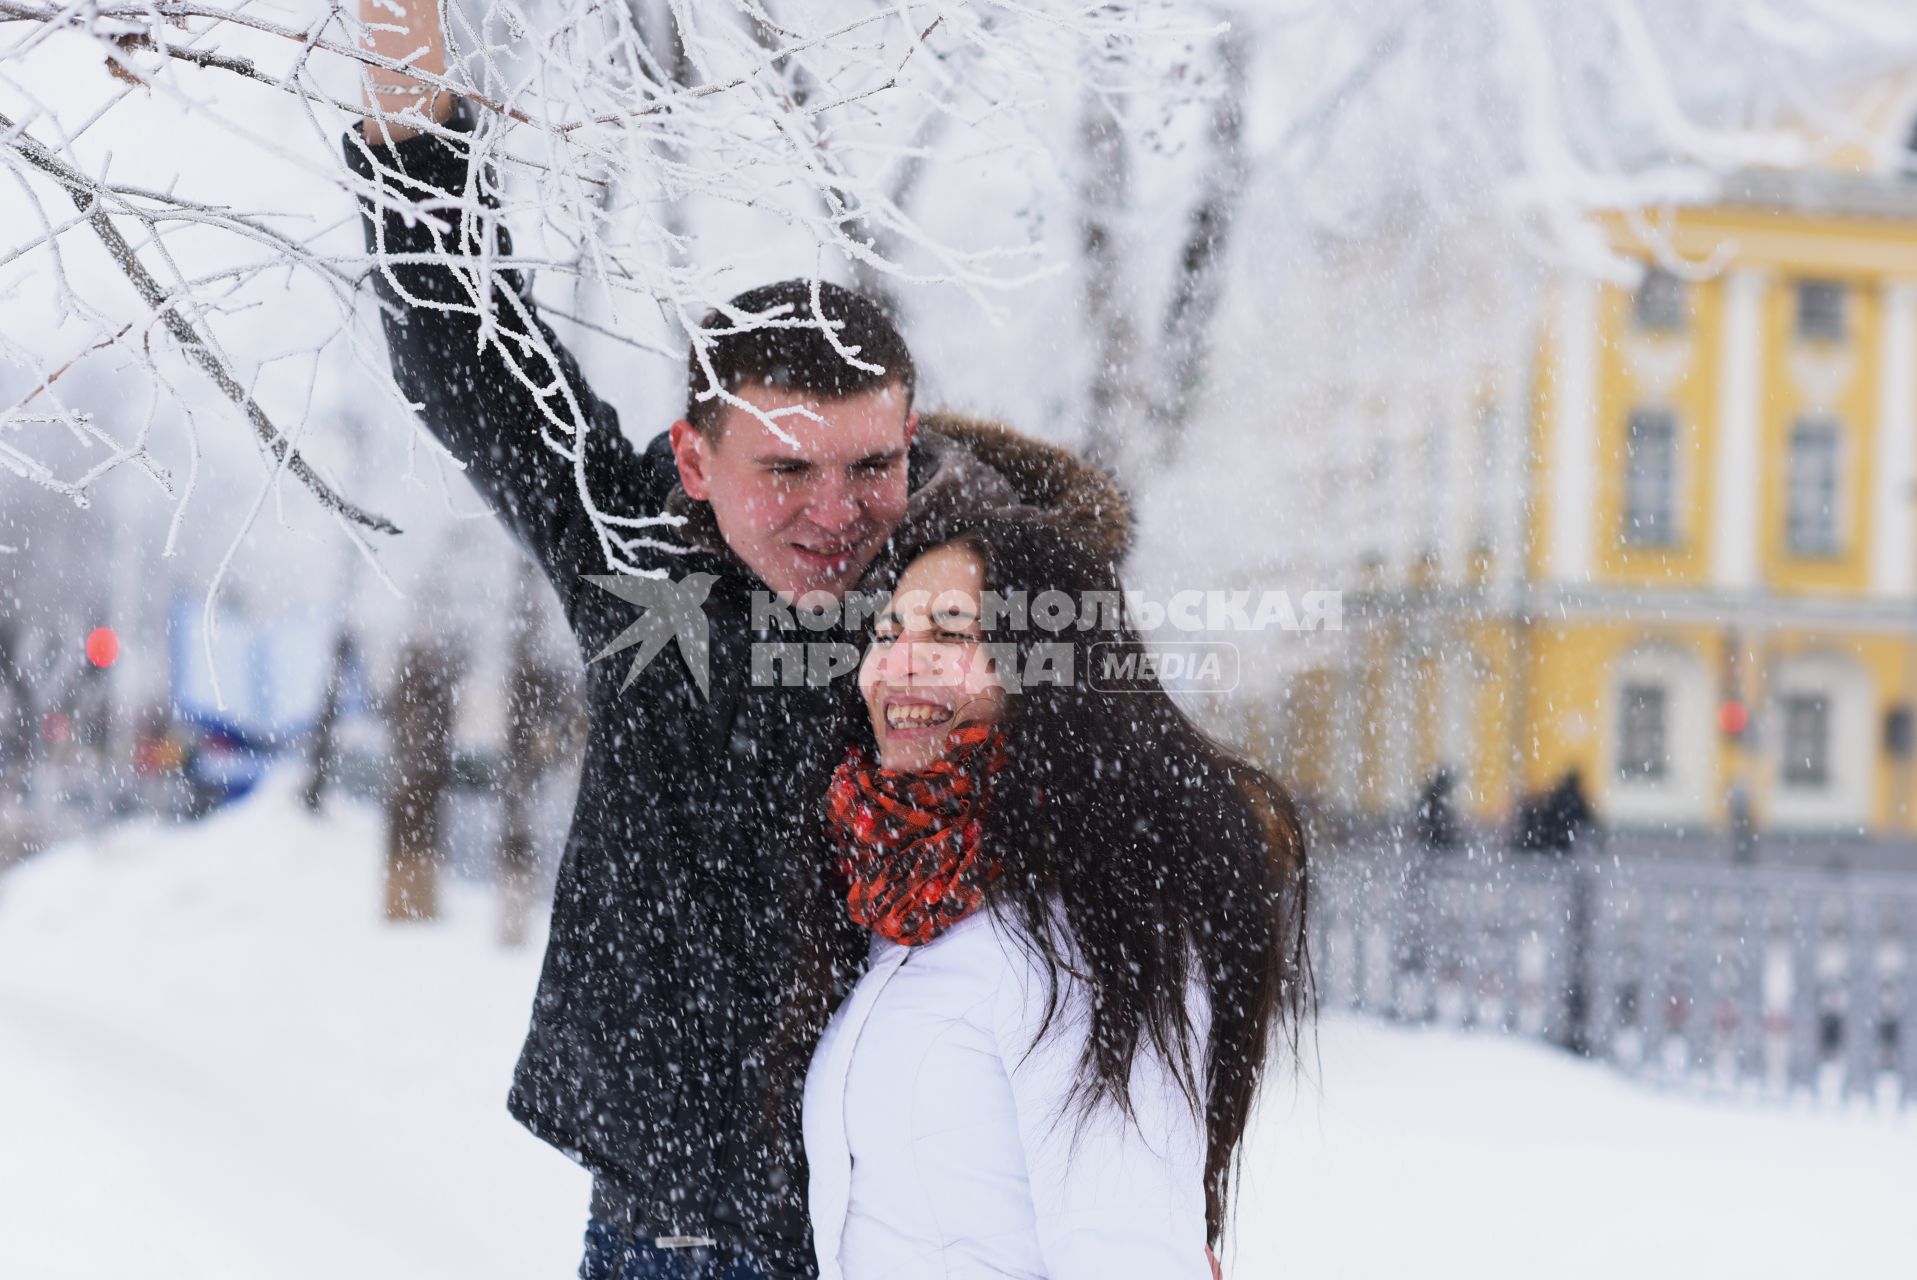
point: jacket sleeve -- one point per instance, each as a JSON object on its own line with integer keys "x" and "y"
{"x": 1117, "y": 1198}
{"x": 490, "y": 378}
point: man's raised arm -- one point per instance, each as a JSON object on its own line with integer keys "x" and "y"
{"x": 406, "y": 31}
{"x": 489, "y": 395}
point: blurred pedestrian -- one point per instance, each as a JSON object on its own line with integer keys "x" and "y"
{"x": 1559, "y": 819}
{"x": 1437, "y": 824}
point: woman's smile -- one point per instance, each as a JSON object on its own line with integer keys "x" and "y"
{"x": 906, "y": 715}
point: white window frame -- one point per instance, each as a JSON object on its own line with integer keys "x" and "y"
{"x": 1657, "y": 530}
{"x": 1649, "y": 761}
{"x": 1681, "y": 796}
{"x": 1801, "y": 764}
{"x": 1661, "y": 302}
{"x": 1844, "y": 805}
{"x": 1814, "y": 323}
{"x": 1825, "y": 514}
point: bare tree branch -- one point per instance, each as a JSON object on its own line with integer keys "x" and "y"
{"x": 165, "y": 308}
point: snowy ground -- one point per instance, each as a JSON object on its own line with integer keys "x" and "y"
{"x": 214, "y": 1062}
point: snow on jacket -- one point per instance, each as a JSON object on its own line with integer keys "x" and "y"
{"x": 939, "y": 1145}
{"x": 655, "y": 999}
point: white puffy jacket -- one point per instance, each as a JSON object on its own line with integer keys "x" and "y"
{"x": 937, "y": 1146}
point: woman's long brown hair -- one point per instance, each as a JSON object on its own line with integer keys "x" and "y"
{"x": 1175, "y": 861}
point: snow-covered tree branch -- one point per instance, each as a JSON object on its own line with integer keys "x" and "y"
{"x": 174, "y": 179}
{"x": 609, "y": 137}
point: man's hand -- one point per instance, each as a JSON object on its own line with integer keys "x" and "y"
{"x": 391, "y": 92}
{"x": 1217, "y": 1272}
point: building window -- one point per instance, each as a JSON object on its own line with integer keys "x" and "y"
{"x": 1641, "y": 736}
{"x": 1820, "y": 310}
{"x": 1650, "y": 479}
{"x": 1806, "y": 739}
{"x": 1810, "y": 507}
{"x": 1659, "y": 303}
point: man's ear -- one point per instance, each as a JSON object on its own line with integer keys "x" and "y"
{"x": 911, "y": 426}
{"x": 689, "y": 447}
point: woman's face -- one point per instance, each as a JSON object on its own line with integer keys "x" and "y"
{"x": 926, "y": 673}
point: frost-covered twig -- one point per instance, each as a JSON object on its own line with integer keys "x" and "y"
{"x": 165, "y": 308}
{"x": 601, "y": 129}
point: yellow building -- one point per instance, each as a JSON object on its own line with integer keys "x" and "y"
{"x": 1710, "y": 525}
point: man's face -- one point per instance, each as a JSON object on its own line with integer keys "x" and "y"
{"x": 807, "y": 516}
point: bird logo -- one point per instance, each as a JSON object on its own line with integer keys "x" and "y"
{"x": 674, "y": 611}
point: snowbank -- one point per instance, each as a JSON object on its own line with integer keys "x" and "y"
{"x": 216, "y": 1061}
{"x": 1437, "y": 1154}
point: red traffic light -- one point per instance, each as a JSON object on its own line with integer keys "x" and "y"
{"x": 103, "y": 646}
{"x": 1733, "y": 717}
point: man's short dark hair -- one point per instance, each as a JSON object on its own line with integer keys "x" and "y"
{"x": 792, "y": 352}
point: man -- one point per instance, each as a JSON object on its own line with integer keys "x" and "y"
{"x": 662, "y": 969}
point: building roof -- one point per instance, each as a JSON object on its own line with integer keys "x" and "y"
{"x": 1822, "y": 192}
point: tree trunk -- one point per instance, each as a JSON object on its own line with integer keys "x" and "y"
{"x": 658, "y": 30}
{"x": 325, "y": 753}
{"x": 422, "y": 716}
{"x": 40, "y": 679}
{"x": 1199, "y": 284}
{"x": 1139, "y": 405}
{"x": 19, "y": 725}
{"x": 1104, "y": 202}
{"x": 869, "y": 279}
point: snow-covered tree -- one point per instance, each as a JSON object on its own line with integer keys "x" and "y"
{"x": 181, "y": 218}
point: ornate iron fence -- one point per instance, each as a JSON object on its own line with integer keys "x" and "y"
{"x": 1744, "y": 977}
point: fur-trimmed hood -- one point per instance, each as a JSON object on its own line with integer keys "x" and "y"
{"x": 1044, "y": 481}
{"x": 964, "y": 468}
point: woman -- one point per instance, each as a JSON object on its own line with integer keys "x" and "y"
{"x": 1087, "y": 934}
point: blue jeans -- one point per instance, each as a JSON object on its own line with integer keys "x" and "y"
{"x": 609, "y": 1257}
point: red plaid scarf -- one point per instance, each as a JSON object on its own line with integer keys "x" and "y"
{"x": 909, "y": 843}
